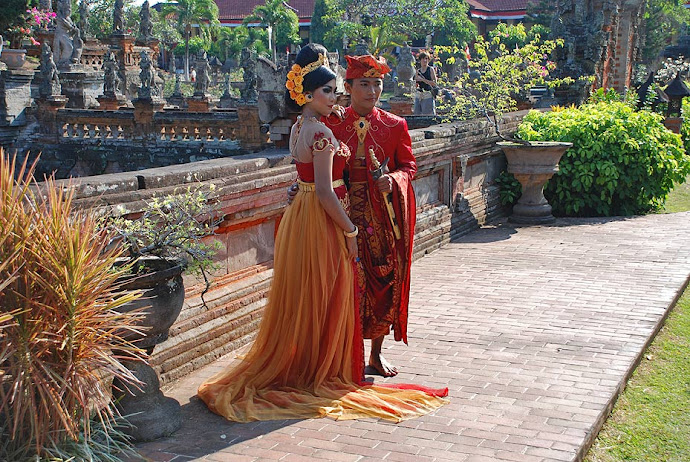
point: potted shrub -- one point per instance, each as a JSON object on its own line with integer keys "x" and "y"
{"x": 499, "y": 73}
{"x": 166, "y": 239}
{"x": 13, "y": 53}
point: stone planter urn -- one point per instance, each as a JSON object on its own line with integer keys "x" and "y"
{"x": 13, "y": 58}
{"x": 151, "y": 414}
{"x": 533, "y": 164}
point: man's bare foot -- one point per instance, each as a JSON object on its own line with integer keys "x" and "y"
{"x": 379, "y": 365}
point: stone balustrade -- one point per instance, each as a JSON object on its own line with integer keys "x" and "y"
{"x": 85, "y": 142}
{"x": 454, "y": 188}
{"x": 75, "y": 125}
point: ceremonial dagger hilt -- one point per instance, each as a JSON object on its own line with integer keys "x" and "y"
{"x": 379, "y": 169}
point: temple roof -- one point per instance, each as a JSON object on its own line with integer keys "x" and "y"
{"x": 498, "y": 9}
{"x": 234, "y": 11}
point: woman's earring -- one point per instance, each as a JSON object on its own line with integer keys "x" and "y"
{"x": 309, "y": 97}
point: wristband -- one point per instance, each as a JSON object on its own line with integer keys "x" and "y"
{"x": 352, "y": 233}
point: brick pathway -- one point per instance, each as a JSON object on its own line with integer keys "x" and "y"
{"x": 533, "y": 329}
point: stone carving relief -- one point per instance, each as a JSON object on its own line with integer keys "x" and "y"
{"x": 405, "y": 71}
{"x": 64, "y": 30}
{"x": 145, "y": 25}
{"x": 147, "y": 77}
{"x": 50, "y": 79}
{"x": 248, "y": 63}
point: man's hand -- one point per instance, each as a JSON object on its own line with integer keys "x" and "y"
{"x": 385, "y": 183}
{"x": 291, "y": 193}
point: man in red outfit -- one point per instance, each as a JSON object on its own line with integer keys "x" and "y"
{"x": 385, "y": 253}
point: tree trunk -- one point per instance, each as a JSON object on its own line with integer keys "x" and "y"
{"x": 272, "y": 42}
{"x": 187, "y": 33}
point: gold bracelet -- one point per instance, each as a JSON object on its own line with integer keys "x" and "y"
{"x": 352, "y": 233}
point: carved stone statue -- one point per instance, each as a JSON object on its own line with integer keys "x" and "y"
{"x": 119, "y": 17}
{"x": 147, "y": 76}
{"x": 203, "y": 74}
{"x": 64, "y": 30}
{"x": 226, "y": 86}
{"x": 84, "y": 18}
{"x": 405, "y": 71}
{"x": 46, "y": 5}
{"x": 111, "y": 77}
{"x": 248, "y": 63}
{"x": 146, "y": 25}
{"x": 361, "y": 48}
{"x": 50, "y": 79}
{"x": 77, "y": 47}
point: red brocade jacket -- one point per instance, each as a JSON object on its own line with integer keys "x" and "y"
{"x": 388, "y": 136}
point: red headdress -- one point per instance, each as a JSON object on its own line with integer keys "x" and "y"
{"x": 366, "y": 66}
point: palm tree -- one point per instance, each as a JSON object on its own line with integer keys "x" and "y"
{"x": 203, "y": 13}
{"x": 270, "y": 15}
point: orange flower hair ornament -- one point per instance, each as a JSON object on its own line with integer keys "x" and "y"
{"x": 296, "y": 76}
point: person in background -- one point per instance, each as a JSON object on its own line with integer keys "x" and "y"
{"x": 427, "y": 86}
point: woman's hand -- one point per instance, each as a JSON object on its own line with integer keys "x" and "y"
{"x": 338, "y": 111}
{"x": 352, "y": 252}
{"x": 292, "y": 192}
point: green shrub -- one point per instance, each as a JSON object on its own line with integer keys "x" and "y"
{"x": 510, "y": 188}
{"x": 622, "y": 162}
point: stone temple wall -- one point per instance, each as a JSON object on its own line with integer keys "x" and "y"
{"x": 455, "y": 194}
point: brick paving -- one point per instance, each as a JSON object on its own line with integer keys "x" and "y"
{"x": 535, "y": 331}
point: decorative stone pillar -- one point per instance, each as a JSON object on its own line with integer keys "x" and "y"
{"x": 250, "y": 127}
{"x": 82, "y": 88}
{"x": 144, "y": 113}
{"x": 48, "y": 108}
{"x": 15, "y": 97}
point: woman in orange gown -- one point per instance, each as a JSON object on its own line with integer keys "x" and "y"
{"x": 307, "y": 360}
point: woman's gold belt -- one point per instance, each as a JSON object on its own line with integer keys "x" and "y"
{"x": 304, "y": 186}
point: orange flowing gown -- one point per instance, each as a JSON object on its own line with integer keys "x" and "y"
{"x": 307, "y": 360}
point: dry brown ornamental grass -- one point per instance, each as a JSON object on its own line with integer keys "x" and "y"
{"x": 59, "y": 323}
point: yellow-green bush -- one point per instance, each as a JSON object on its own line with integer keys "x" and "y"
{"x": 622, "y": 162}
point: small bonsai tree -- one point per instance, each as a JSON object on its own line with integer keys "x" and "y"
{"x": 171, "y": 227}
{"x": 497, "y": 75}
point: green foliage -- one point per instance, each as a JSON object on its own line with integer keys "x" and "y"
{"x": 58, "y": 321}
{"x": 319, "y": 25}
{"x": 622, "y": 162}
{"x": 188, "y": 13}
{"x": 511, "y": 35}
{"x": 287, "y": 32}
{"x": 12, "y": 13}
{"x": 452, "y": 25}
{"x": 101, "y": 17}
{"x": 503, "y": 73}
{"x": 171, "y": 227}
{"x": 541, "y": 12}
{"x": 276, "y": 16}
{"x": 662, "y": 22}
{"x": 196, "y": 44}
{"x": 609, "y": 95}
{"x": 164, "y": 30}
{"x": 510, "y": 188}
{"x": 447, "y": 20}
